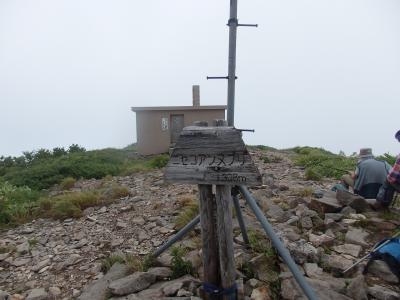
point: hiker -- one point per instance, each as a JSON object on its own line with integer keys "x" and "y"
{"x": 394, "y": 174}
{"x": 369, "y": 175}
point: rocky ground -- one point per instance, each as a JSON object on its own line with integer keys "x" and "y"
{"x": 49, "y": 259}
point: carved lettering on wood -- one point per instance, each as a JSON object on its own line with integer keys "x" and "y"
{"x": 211, "y": 155}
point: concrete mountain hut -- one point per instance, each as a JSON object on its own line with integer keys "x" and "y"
{"x": 158, "y": 127}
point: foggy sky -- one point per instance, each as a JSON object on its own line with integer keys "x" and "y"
{"x": 318, "y": 73}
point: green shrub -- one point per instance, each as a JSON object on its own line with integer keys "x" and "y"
{"x": 180, "y": 267}
{"x": 64, "y": 209}
{"x": 108, "y": 262}
{"x": 67, "y": 183}
{"x": 311, "y": 174}
{"x": 321, "y": 163}
{"x": 389, "y": 158}
{"x": 189, "y": 212}
{"x": 159, "y": 161}
{"x": 16, "y": 203}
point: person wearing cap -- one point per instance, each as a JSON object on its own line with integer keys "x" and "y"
{"x": 394, "y": 174}
{"x": 369, "y": 175}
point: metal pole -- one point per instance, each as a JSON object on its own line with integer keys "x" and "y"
{"x": 283, "y": 252}
{"x": 181, "y": 233}
{"x": 240, "y": 219}
{"x": 232, "y": 23}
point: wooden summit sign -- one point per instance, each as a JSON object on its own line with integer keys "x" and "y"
{"x": 211, "y": 155}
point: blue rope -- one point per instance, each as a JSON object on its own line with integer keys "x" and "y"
{"x": 217, "y": 291}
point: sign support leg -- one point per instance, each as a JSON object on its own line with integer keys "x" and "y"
{"x": 208, "y": 208}
{"x": 225, "y": 239}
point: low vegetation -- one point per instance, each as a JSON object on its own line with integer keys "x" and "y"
{"x": 44, "y": 168}
{"x": 189, "y": 209}
{"x": 25, "y": 180}
{"x": 180, "y": 266}
{"x": 321, "y": 163}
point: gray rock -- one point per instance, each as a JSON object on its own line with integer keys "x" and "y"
{"x": 358, "y": 289}
{"x": 37, "y": 294}
{"x": 354, "y": 201}
{"x": 23, "y": 248}
{"x": 303, "y": 252}
{"x": 337, "y": 263}
{"x": 161, "y": 273}
{"x": 320, "y": 240}
{"x": 322, "y": 288}
{"x": 351, "y": 249}
{"x": 383, "y": 293}
{"x": 54, "y": 292}
{"x": 41, "y": 265}
{"x": 327, "y": 204}
{"x": 250, "y": 285}
{"x": 131, "y": 284}
{"x": 347, "y": 210}
{"x": 356, "y": 236}
{"x": 260, "y": 293}
{"x": 312, "y": 270}
{"x": 380, "y": 269}
{"x": 4, "y": 295}
{"x": 277, "y": 213}
{"x": 98, "y": 289}
{"x": 306, "y": 223}
{"x": 19, "y": 262}
{"x": 334, "y": 217}
{"x": 173, "y": 288}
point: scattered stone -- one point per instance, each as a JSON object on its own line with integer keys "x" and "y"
{"x": 337, "y": 263}
{"x": 4, "y": 295}
{"x": 356, "y": 236}
{"x": 325, "y": 205}
{"x": 98, "y": 289}
{"x": 54, "y": 292}
{"x": 121, "y": 225}
{"x": 303, "y": 252}
{"x": 37, "y": 294}
{"x": 312, "y": 270}
{"x": 23, "y": 248}
{"x": 320, "y": 240}
{"x": 306, "y": 223}
{"x": 382, "y": 293}
{"x": 19, "y": 262}
{"x": 41, "y": 265}
{"x": 161, "y": 273}
{"x": 351, "y": 249}
{"x": 357, "y": 289}
{"x": 347, "y": 210}
{"x": 250, "y": 285}
{"x": 131, "y": 284}
{"x": 381, "y": 270}
{"x": 260, "y": 293}
{"x": 335, "y": 217}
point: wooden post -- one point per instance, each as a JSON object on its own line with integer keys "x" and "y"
{"x": 208, "y": 226}
{"x": 225, "y": 237}
{"x": 209, "y": 238}
{"x": 225, "y": 231}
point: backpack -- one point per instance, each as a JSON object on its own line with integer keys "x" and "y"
{"x": 385, "y": 194}
{"x": 389, "y": 253}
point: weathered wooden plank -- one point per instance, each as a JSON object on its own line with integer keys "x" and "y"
{"x": 225, "y": 236}
{"x": 211, "y": 155}
{"x": 208, "y": 211}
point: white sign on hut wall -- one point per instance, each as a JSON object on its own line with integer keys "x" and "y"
{"x": 211, "y": 155}
{"x": 164, "y": 124}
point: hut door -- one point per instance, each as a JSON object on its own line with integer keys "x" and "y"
{"x": 177, "y": 125}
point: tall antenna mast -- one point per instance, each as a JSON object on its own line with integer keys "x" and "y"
{"x": 233, "y": 23}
